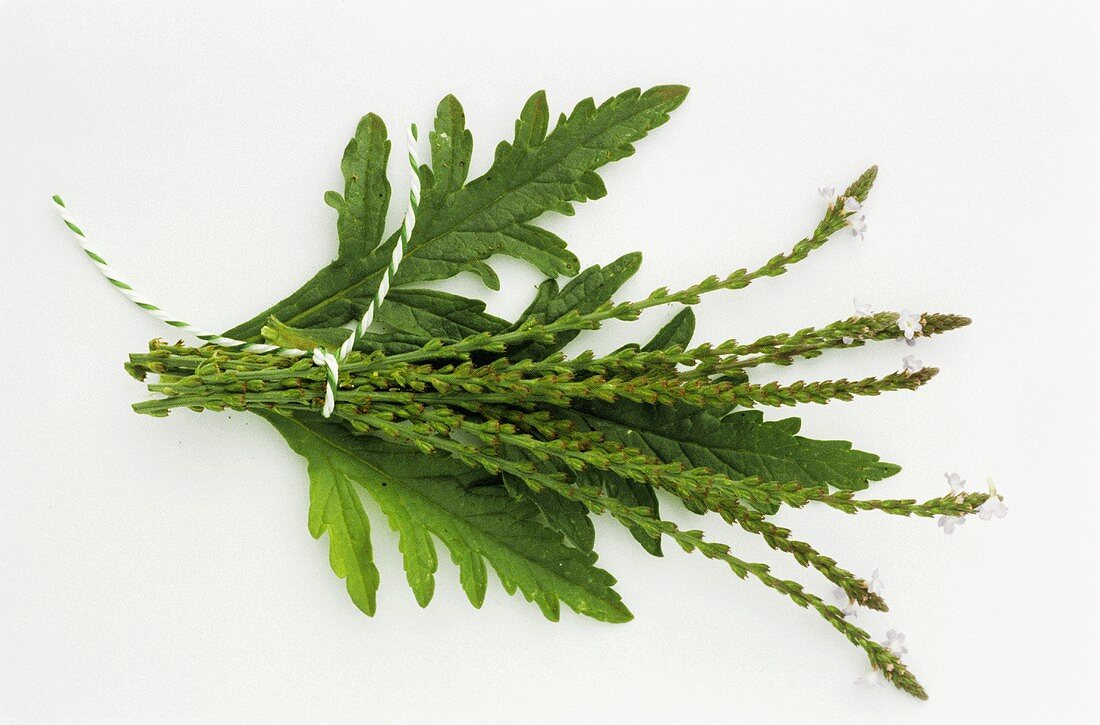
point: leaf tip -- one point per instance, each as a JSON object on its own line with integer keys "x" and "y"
{"x": 673, "y": 94}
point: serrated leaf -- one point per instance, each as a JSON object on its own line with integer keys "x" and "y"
{"x": 677, "y": 331}
{"x": 460, "y": 226}
{"x": 432, "y": 313}
{"x": 390, "y": 342}
{"x": 477, "y": 523}
{"x": 362, "y": 209}
{"x": 738, "y": 445}
{"x": 570, "y": 518}
{"x": 452, "y": 146}
{"x": 535, "y": 173}
{"x": 632, "y": 493}
{"x": 587, "y": 291}
{"x": 338, "y": 293}
{"x": 335, "y": 508}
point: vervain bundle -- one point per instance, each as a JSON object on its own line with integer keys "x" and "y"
{"x": 480, "y": 433}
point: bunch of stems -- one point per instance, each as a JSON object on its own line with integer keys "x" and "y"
{"x": 518, "y": 417}
{"x": 466, "y": 399}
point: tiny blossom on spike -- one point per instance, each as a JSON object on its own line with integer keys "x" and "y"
{"x": 993, "y": 505}
{"x": 950, "y": 523}
{"x": 912, "y": 364}
{"x": 955, "y": 482}
{"x": 858, "y": 225}
{"x": 826, "y": 192}
{"x": 875, "y": 586}
{"x": 895, "y": 642}
{"x": 909, "y": 324}
{"x": 847, "y": 607}
{"x": 871, "y": 678}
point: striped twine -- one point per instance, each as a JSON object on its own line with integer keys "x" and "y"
{"x": 321, "y": 357}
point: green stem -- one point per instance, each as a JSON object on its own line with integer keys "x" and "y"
{"x": 596, "y": 501}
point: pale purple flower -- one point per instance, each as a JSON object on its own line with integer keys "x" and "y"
{"x": 871, "y": 678}
{"x": 857, "y": 223}
{"x": 912, "y": 364}
{"x": 847, "y": 607}
{"x": 956, "y": 482}
{"x": 826, "y": 192}
{"x": 909, "y": 324}
{"x": 875, "y": 586}
{"x": 993, "y": 506}
{"x": 950, "y": 523}
{"x": 862, "y": 310}
{"x": 895, "y": 642}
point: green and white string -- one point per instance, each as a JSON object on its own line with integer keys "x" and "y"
{"x": 321, "y": 357}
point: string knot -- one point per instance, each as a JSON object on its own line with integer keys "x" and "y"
{"x": 324, "y": 358}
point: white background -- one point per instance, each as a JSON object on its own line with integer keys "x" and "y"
{"x": 161, "y": 569}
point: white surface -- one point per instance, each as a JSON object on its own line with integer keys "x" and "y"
{"x": 161, "y": 569}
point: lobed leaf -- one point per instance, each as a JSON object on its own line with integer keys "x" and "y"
{"x": 738, "y": 445}
{"x": 428, "y": 493}
{"x": 590, "y": 289}
{"x": 335, "y": 508}
{"x": 460, "y": 225}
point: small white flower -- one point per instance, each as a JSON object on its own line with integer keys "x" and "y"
{"x": 912, "y": 364}
{"x": 856, "y": 222}
{"x": 956, "y": 482}
{"x": 872, "y": 678}
{"x": 895, "y": 642}
{"x": 858, "y": 225}
{"x": 826, "y": 192}
{"x": 909, "y": 324}
{"x": 993, "y": 506}
{"x": 862, "y": 310}
{"x": 950, "y": 523}
{"x": 875, "y": 586}
{"x": 847, "y": 607}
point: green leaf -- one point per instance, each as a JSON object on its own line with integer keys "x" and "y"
{"x": 362, "y": 208}
{"x": 431, "y": 313}
{"x": 590, "y": 289}
{"x": 429, "y": 493}
{"x": 677, "y": 331}
{"x": 561, "y": 514}
{"x": 338, "y": 293}
{"x": 537, "y": 172}
{"x": 391, "y": 342}
{"x": 738, "y": 445}
{"x": 459, "y": 225}
{"x": 412, "y": 318}
{"x": 334, "y": 507}
{"x": 632, "y": 493}
{"x": 452, "y": 145}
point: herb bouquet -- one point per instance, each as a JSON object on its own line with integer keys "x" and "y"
{"x": 479, "y": 433}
